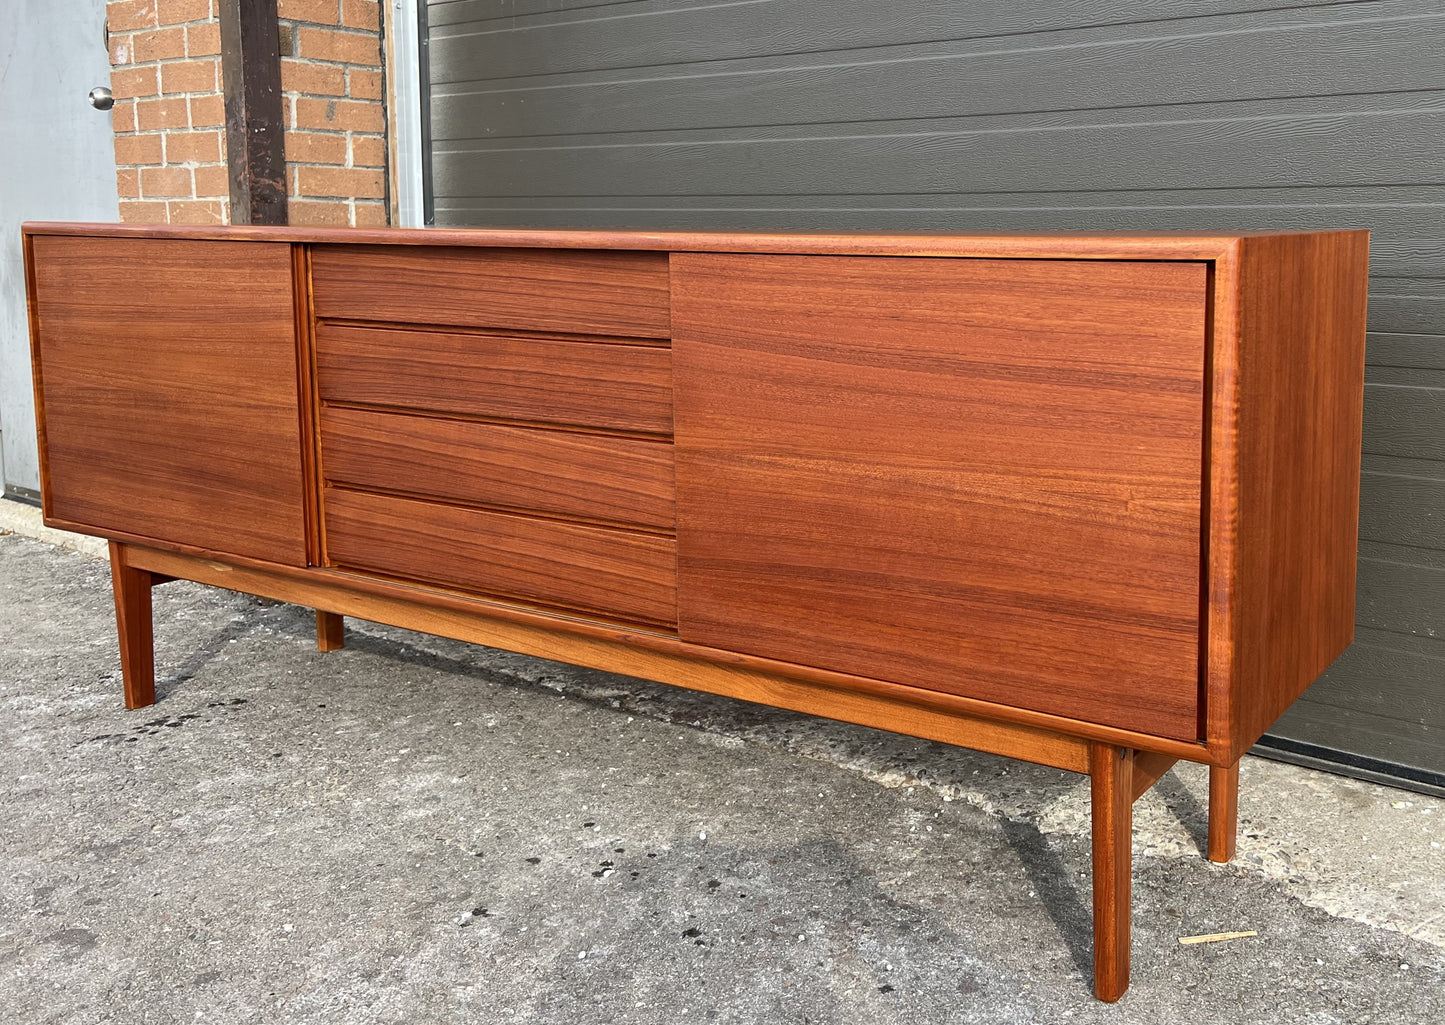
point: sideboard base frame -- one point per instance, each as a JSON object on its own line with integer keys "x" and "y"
{"x": 1119, "y": 774}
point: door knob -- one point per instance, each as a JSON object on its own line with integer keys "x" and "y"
{"x": 101, "y": 99}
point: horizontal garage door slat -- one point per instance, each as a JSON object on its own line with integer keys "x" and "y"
{"x": 1068, "y": 71}
{"x": 533, "y": 37}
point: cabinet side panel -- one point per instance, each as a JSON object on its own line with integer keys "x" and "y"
{"x": 976, "y": 476}
{"x": 1301, "y": 386}
{"x": 169, "y": 380}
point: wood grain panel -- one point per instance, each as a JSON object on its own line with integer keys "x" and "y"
{"x": 1301, "y": 314}
{"x": 976, "y": 476}
{"x": 604, "y": 293}
{"x": 167, "y": 386}
{"x": 587, "y": 476}
{"x": 541, "y": 380}
{"x": 617, "y": 573}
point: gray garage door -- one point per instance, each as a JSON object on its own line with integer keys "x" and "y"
{"x": 1034, "y": 114}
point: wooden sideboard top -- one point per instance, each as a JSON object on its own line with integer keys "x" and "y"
{"x": 1022, "y": 245}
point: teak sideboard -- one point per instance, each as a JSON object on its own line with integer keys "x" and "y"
{"x": 1087, "y": 501}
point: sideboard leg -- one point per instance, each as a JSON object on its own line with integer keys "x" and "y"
{"x": 1223, "y": 811}
{"x": 1112, "y": 789}
{"x": 330, "y": 631}
{"x": 132, "y": 589}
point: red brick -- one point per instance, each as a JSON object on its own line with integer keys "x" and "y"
{"x": 344, "y": 182}
{"x": 174, "y": 12}
{"x": 315, "y": 148}
{"x": 124, "y": 15}
{"x": 138, "y": 149}
{"x": 156, "y": 182}
{"x": 208, "y": 111}
{"x": 316, "y": 79}
{"x": 127, "y": 183}
{"x": 166, "y": 112}
{"x": 361, "y": 14}
{"x": 368, "y": 151}
{"x": 122, "y": 116}
{"x": 340, "y": 115}
{"x": 364, "y": 85}
{"x": 202, "y": 147}
{"x": 197, "y": 211}
{"x": 126, "y": 83}
{"x": 119, "y": 49}
{"x": 142, "y": 213}
{"x": 203, "y": 40}
{"x": 370, "y": 215}
{"x": 190, "y": 76}
{"x": 334, "y": 45}
{"x": 322, "y": 12}
{"x": 213, "y": 180}
{"x": 162, "y": 44}
{"x": 312, "y": 213}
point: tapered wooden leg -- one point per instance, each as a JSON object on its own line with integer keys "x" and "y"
{"x": 1223, "y": 811}
{"x": 330, "y": 631}
{"x": 133, "y": 627}
{"x": 1111, "y": 785}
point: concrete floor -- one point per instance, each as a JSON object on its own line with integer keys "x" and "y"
{"x": 413, "y": 830}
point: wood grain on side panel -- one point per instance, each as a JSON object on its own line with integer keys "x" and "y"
{"x": 564, "y": 473}
{"x": 617, "y": 573}
{"x": 541, "y": 380}
{"x": 577, "y": 291}
{"x": 982, "y": 477}
{"x": 169, "y": 390}
{"x": 1301, "y": 383}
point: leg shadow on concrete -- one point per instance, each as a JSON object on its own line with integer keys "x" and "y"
{"x": 400, "y": 651}
{"x": 1185, "y": 807}
{"x": 1060, "y": 896}
{"x": 199, "y": 658}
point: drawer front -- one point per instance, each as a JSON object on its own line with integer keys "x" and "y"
{"x": 562, "y": 473}
{"x": 538, "y": 380}
{"x": 599, "y": 570}
{"x": 573, "y": 291}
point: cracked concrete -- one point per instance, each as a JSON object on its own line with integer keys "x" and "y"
{"x": 416, "y": 830}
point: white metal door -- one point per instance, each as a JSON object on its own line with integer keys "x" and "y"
{"x": 57, "y": 162}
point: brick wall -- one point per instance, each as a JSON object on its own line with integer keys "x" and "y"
{"x": 335, "y": 119}
{"x": 169, "y": 114}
